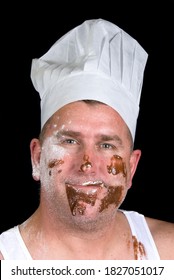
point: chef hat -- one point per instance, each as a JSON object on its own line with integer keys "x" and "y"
{"x": 95, "y": 60}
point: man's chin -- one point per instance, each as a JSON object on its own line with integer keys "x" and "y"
{"x": 91, "y": 217}
{"x": 89, "y": 213}
{"x": 85, "y": 210}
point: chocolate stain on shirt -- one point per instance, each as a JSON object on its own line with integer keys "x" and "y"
{"x": 139, "y": 250}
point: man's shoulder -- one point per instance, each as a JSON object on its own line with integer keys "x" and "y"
{"x": 163, "y": 234}
{"x": 7, "y": 236}
{"x": 9, "y": 231}
{"x": 160, "y": 226}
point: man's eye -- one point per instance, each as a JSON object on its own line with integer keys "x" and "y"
{"x": 107, "y": 146}
{"x": 69, "y": 141}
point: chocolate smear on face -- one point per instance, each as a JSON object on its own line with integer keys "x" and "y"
{"x": 117, "y": 166}
{"x": 76, "y": 199}
{"x": 87, "y": 164}
{"x": 114, "y": 196}
{"x": 53, "y": 163}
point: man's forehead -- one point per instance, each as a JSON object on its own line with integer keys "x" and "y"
{"x": 72, "y": 107}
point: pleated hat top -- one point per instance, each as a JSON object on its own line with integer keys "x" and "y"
{"x": 96, "y": 60}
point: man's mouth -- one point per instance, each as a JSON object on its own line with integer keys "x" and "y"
{"x": 86, "y": 184}
{"x": 89, "y": 187}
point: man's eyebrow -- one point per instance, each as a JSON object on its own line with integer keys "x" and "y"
{"x": 69, "y": 133}
{"x": 111, "y": 138}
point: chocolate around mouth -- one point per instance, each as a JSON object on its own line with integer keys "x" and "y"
{"x": 77, "y": 199}
{"x": 80, "y": 196}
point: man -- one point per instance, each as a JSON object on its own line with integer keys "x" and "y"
{"x": 90, "y": 84}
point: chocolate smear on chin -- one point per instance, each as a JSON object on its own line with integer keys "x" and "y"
{"x": 77, "y": 198}
{"x": 114, "y": 196}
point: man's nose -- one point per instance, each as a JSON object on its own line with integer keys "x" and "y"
{"x": 86, "y": 164}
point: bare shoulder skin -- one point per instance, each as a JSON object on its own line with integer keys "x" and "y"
{"x": 163, "y": 234}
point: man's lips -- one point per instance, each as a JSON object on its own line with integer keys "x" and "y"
{"x": 86, "y": 184}
{"x": 88, "y": 187}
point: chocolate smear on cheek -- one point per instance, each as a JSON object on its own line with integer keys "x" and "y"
{"x": 114, "y": 196}
{"x": 76, "y": 199}
{"x": 117, "y": 166}
{"x": 53, "y": 163}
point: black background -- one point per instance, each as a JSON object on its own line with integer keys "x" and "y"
{"x": 28, "y": 32}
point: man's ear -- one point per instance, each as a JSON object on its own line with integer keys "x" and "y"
{"x": 134, "y": 160}
{"x": 35, "y": 151}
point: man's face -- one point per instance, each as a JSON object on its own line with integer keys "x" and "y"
{"x": 85, "y": 165}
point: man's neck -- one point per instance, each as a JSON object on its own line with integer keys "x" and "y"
{"x": 48, "y": 240}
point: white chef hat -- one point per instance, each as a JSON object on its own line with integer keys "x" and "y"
{"x": 95, "y": 60}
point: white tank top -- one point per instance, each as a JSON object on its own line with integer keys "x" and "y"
{"x": 13, "y": 247}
